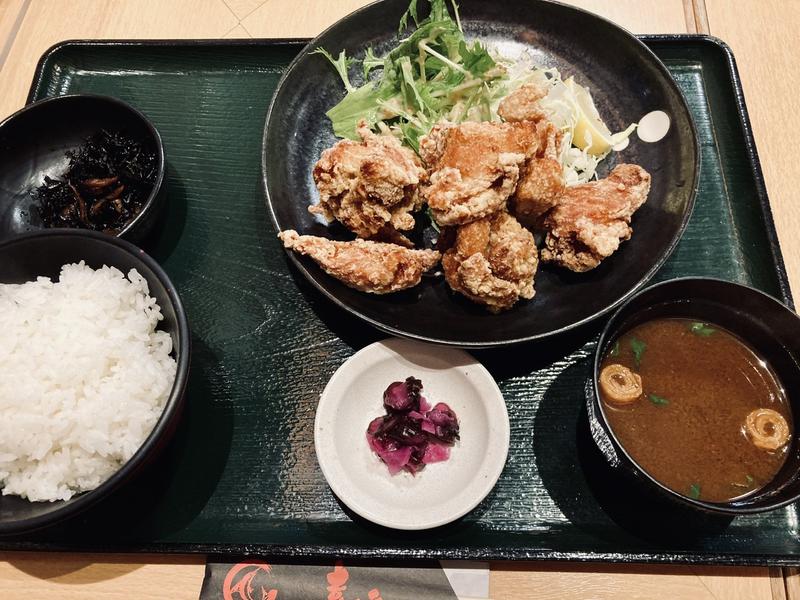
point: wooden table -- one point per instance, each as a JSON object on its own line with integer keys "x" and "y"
{"x": 762, "y": 34}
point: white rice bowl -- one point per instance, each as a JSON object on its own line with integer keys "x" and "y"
{"x": 84, "y": 377}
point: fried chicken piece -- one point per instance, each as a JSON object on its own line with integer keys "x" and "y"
{"x": 368, "y": 185}
{"x": 390, "y": 235}
{"x": 474, "y": 167}
{"x": 523, "y": 103}
{"x": 492, "y": 262}
{"x": 592, "y": 219}
{"x": 541, "y": 183}
{"x": 372, "y": 267}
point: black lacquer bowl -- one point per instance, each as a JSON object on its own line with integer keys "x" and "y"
{"x": 34, "y": 142}
{"x": 28, "y": 256}
{"x": 764, "y": 323}
{"x": 627, "y": 81}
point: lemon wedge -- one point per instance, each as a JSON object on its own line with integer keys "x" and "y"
{"x": 590, "y": 133}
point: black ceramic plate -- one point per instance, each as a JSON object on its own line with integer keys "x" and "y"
{"x": 626, "y": 80}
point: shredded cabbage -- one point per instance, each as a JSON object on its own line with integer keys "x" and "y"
{"x": 563, "y": 108}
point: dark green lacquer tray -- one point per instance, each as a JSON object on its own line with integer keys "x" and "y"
{"x": 241, "y": 475}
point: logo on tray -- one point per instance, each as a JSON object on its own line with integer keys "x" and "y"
{"x": 243, "y": 579}
{"x": 239, "y": 585}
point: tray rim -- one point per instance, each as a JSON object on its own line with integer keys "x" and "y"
{"x": 411, "y": 553}
{"x": 310, "y": 553}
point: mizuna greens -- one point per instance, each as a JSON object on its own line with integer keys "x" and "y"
{"x": 432, "y": 74}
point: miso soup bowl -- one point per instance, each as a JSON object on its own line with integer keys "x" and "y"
{"x": 761, "y": 321}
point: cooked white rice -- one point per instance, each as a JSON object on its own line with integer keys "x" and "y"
{"x": 84, "y": 377}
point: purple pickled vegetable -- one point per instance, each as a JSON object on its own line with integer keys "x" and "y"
{"x": 415, "y": 462}
{"x": 400, "y": 428}
{"x": 445, "y": 421}
{"x": 404, "y": 430}
{"x": 380, "y": 445}
{"x": 397, "y": 459}
{"x": 403, "y": 396}
{"x": 373, "y": 426}
{"x": 394, "y": 454}
{"x": 412, "y": 434}
{"x": 436, "y": 453}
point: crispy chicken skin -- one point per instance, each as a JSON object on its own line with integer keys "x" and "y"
{"x": 368, "y": 185}
{"x": 492, "y": 262}
{"x": 541, "y": 182}
{"x": 523, "y": 103}
{"x": 372, "y": 267}
{"x": 592, "y": 219}
{"x": 474, "y": 167}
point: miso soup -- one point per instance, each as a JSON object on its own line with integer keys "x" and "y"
{"x": 696, "y": 408}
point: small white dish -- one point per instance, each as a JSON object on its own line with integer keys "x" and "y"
{"x": 442, "y": 492}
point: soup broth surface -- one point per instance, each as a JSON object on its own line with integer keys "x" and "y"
{"x": 687, "y": 429}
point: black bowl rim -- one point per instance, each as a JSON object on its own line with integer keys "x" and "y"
{"x": 648, "y": 53}
{"x": 610, "y": 330}
{"x": 133, "y": 223}
{"x": 171, "y": 406}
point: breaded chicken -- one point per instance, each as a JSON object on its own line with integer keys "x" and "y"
{"x": 368, "y": 185}
{"x": 493, "y": 262}
{"x": 541, "y": 183}
{"x": 474, "y": 167}
{"x": 592, "y": 219}
{"x": 372, "y": 267}
{"x": 523, "y": 103}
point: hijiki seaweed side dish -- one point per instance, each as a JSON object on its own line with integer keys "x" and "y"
{"x": 106, "y": 185}
{"x": 491, "y": 149}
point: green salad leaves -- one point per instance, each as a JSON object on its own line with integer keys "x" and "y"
{"x": 430, "y": 75}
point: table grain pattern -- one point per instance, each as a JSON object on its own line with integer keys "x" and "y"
{"x": 761, "y": 33}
